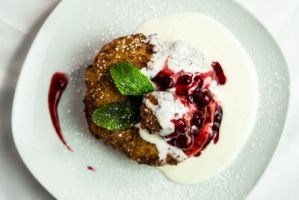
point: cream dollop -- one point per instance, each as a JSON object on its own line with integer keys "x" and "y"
{"x": 167, "y": 109}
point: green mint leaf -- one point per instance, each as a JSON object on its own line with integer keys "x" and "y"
{"x": 115, "y": 116}
{"x": 129, "y": 80}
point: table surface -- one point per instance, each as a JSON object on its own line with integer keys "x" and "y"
{"x": 19, "y": 22}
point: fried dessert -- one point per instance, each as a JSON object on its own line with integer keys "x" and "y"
{"x": 101, "y": 90}
{"x": 152, "y": 100}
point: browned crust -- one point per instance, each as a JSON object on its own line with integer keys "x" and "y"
{"x": 148, "y": 120}
{"x": 101, "y": 90}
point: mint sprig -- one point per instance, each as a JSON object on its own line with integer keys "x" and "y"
{"x": 129, "y": 80}
{"x": 116, "y": 116}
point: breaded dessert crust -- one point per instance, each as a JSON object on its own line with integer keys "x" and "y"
{"x": 148, "y": 120}
{"x": 101, "y": 90}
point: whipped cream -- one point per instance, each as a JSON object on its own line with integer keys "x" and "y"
{"x": 179, "y": 55}
{"x": 167, "y": 109}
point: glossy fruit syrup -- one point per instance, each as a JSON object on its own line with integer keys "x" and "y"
{"x": 58, "y": 84}
{"x": 91, "y": 168}
{"x": 201, "y": 124}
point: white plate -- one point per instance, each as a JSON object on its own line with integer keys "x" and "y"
{"x": 68, "y": 41}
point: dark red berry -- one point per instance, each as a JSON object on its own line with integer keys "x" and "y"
{"x": 218, "y": 114}
{"x": 184, "y": 141}
{"x": 180, "y": 126}
{"x": 202, "y": 98}
{"x": 184, "y": 80}
{"x": 198, "y": 119}
{"x": 217, "y": 119}
{"x": 163, "y": 81}
{"x": 169, "y": 83}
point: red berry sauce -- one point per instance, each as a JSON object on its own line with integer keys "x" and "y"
{"x": 201, "y": 124}
{"x": 219, "y": 74}
{"x": 58, "y": 84}
{"x": 90, "y": 168}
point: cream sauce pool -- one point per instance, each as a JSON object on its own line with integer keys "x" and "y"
{"x": 239, "y": 96}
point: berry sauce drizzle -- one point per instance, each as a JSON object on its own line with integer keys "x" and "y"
{"x": 201, "y": 124}
{"x": 90, "y": 168}
{"x": 58, "y": 84}
{"x": 219, "y": 74}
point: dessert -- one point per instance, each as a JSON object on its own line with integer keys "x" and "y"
{"x": 167, "y": 89}
{"x": 162, "y": 98}
{"x": 101, "y": 90}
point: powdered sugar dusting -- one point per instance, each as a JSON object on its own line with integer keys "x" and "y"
{"x": 180, "y": 56}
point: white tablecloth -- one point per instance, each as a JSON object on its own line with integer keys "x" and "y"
{"x": 19, "y": 22}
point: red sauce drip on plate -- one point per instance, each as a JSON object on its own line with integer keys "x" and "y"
{"x": 58, "y": 84}
{"x": 90, "y": 168}
{"x": 201, "y": 124}
{"x": 220, "y": 77}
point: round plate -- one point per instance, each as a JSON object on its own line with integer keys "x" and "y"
{"x": 68, "y": 41}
